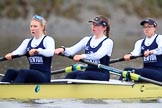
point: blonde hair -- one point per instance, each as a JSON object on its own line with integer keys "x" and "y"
{"x": 42, "y": 22}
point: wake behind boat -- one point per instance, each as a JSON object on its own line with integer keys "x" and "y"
{"x": 81, "y": 89}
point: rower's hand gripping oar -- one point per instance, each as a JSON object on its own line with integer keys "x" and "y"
{"x": 133, "y": 76}
{"x": 122, "y": 59}
{"x": 13, "y": 57}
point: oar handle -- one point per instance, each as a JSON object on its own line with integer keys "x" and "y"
{"x": 13, "y": 57}
{"x": 122, "y": 59}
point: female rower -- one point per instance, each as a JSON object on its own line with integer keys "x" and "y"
{"x": 151, "y": 48}
{"x": 98, "y": 49}
{"x": 39, "y": 50}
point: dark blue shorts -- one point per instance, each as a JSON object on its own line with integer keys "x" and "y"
{"x": 25, "y": 76}
{"x": 88, "y": 75}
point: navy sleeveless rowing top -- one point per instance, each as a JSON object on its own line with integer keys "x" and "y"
{"x": 39, "y": 62}
{"x": 104, "y": 60}
{"x": 151, "y": 60}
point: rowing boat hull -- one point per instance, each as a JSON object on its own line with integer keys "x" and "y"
{"x": 80, "y": 91}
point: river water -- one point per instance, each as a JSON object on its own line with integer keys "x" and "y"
{"x": 73, "y": 103}
{"x": 121, "y": 47}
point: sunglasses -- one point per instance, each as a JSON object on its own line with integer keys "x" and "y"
{"x": 39, "y": 18}
{"x": 148, "y": 27}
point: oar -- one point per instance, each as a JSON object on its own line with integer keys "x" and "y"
{"x": 13, "y": 57}
{"x": 69, "y": 69}
{"x": 125, "y": 74}
{"x": 122, "y": 59}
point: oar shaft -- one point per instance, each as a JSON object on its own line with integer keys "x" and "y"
{"x": 112, "y": 70}
{"x": 150, "y": 80}
{"x": 122, "y": 59}
{"x": 58, "y": 71}
{"x": 117, "y": 60}
{"x": 69, "y": 69}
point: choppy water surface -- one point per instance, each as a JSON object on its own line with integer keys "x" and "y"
{"x": 73, "y": 103}
{"x": 121, "y": 47}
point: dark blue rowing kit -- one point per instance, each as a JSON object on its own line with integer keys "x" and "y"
{"x": 39, "y": 71}
{"x": 92, "y": 73}
{"x": 152, "y": 64}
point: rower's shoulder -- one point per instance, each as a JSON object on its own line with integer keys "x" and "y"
{"x": 48, "y": 38}
{"x": 159, "y": 36}
{"x": 86, "y": 38}
{"x": 109, "y": 39}
{"x": 26, "y": 40}
{"x": 139, "y": 41}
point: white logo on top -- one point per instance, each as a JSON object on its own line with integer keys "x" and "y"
{"x": 150, "y": 58}
{"x": 35, "y": 60}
